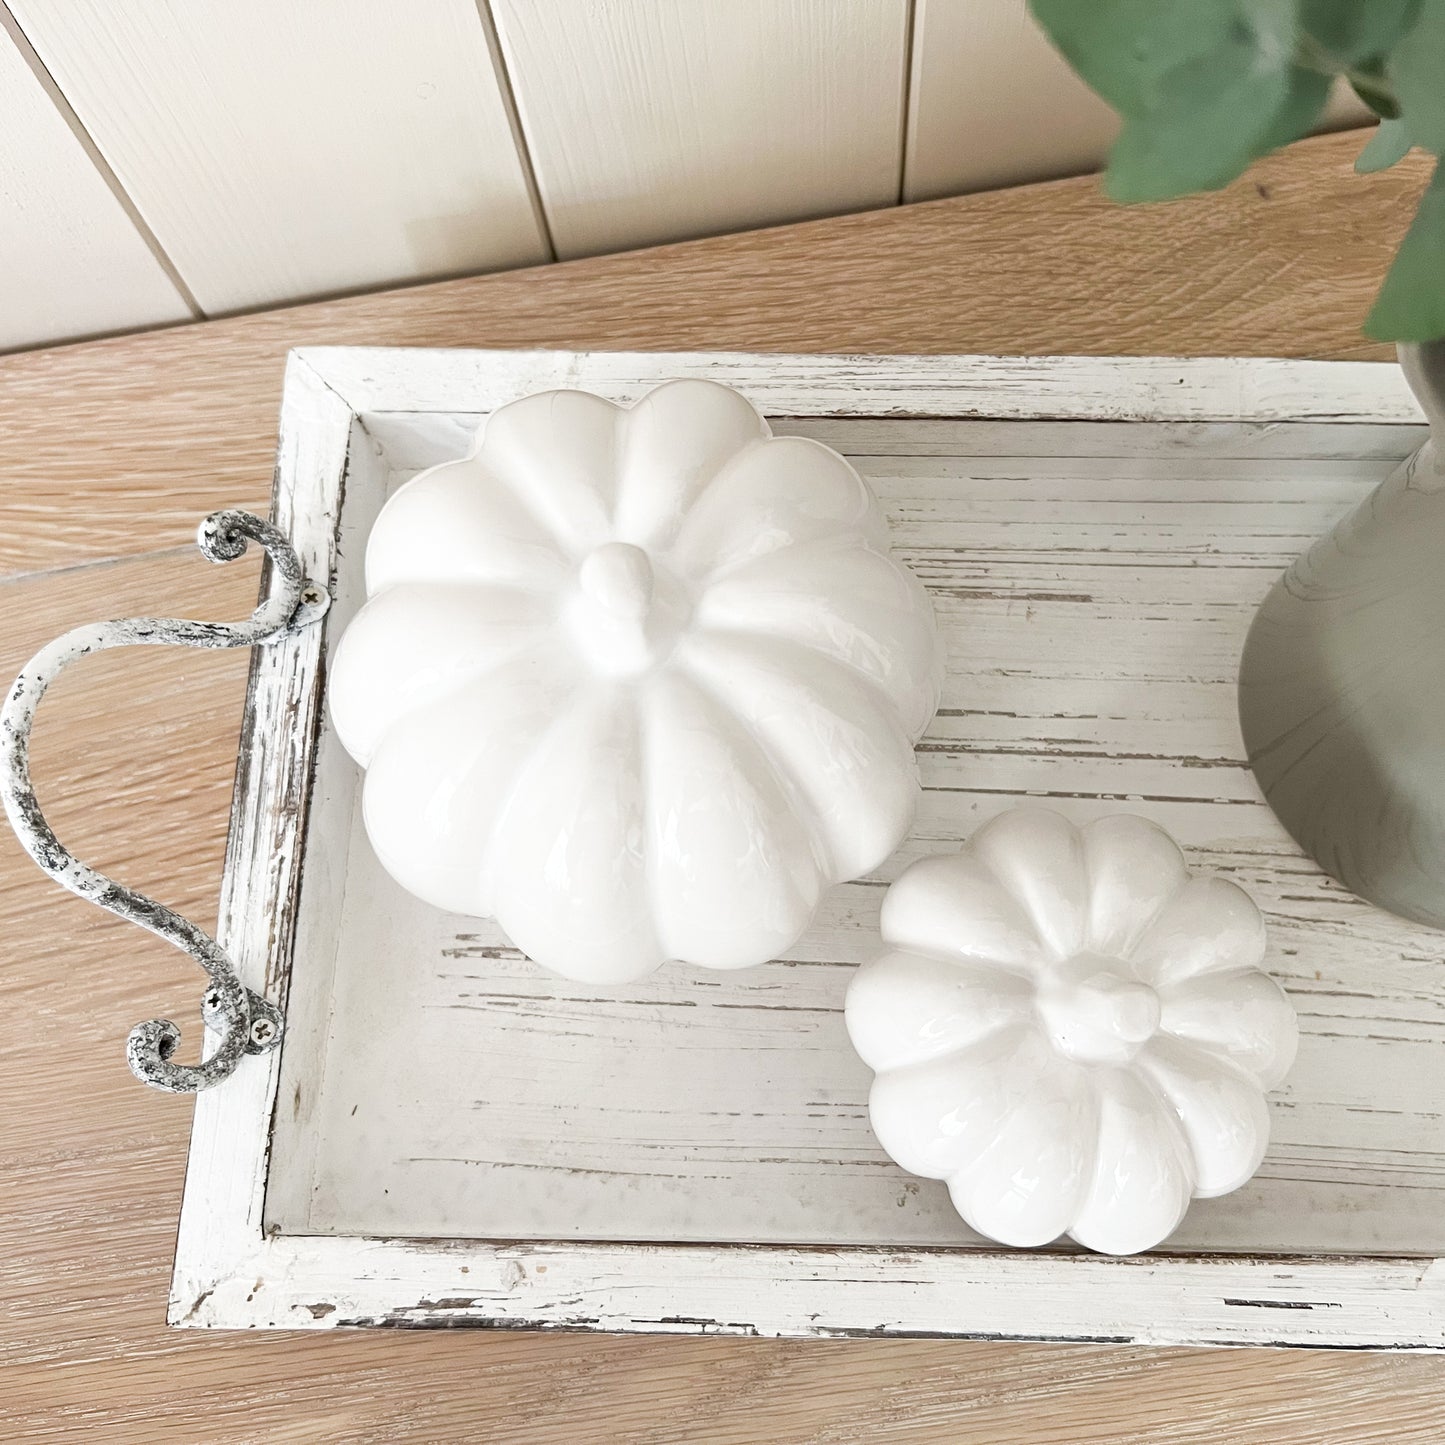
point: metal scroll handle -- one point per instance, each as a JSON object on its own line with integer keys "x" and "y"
{"x": 245, "y": 1022}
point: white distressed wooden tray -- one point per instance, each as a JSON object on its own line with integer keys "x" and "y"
{"x": 450, "y": 1136}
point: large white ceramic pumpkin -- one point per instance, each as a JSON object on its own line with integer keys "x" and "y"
{"x": 1071, "y": 1031}
{"x": 639, "y": 683}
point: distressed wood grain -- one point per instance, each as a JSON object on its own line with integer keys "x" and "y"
{"x": 177, "y": 424}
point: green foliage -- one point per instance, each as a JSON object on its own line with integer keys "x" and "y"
{"x": 1357, "y": 31}
{"x": 1411, "y": 303}
{"x": 1417, "y": 69}
{"x": 1205, "y": 87}
{"x": 1390, "y": 143}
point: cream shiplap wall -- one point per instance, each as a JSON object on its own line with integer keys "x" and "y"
{"x": 650, "y": 121}
{"x": 166, "y": 158}
{"x": 71, "y": 259}
{"x": 994, "y": 104}
{"x": 281, "y": 148}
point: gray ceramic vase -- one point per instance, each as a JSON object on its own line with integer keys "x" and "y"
{"x": 1342, "y": 682}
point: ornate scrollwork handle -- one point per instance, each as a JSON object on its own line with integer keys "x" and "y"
{"x": 245, "y": 1022}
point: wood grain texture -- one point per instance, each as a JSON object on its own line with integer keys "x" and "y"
{"x": 176, "y": 423}
{"x": 280, "y": 151}
{"x": 653, "y": 122}
{"x": 75, "y": 264}
{"x": 1282, "y": 263}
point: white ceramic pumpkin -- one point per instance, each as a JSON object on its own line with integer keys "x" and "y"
{"x": 1071, "y": 1031}
{"x": 639, "y": 683}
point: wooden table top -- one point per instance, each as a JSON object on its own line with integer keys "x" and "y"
{"x": 111, "y": 451}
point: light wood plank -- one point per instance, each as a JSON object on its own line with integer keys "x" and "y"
{"x": 650, "y": 121}
{"x": 281, "y": 150}
{"x": 992, "y": 103}
{"x": 1285, "y": 262}
{"x": 1282, "y": 263}
{"x": 74, "y": 263}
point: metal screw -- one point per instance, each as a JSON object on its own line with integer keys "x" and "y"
{"x": 313, "y": 595}
{"x": 263, "y": 1031}
{"x": 212, "y": 1000}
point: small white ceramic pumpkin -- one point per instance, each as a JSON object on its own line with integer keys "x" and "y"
{"x": 1071, "y": 1030}
{"x": 638, "y": 683}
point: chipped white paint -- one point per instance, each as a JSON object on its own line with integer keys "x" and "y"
{"x": 1081, "y": 388}
{"x": 1093, "y": 579}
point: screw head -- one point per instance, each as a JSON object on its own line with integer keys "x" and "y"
{"x": 263, "y": 1031}
{"x": 312, "y": 595}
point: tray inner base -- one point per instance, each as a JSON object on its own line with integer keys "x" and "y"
{"x": 1094, "y": 582}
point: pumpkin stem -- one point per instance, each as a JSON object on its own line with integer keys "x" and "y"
{"x": 618, "y": 578}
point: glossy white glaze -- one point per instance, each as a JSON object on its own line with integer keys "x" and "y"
{"x": 1071, "y": 1030}
{"x": 639, "y": 683}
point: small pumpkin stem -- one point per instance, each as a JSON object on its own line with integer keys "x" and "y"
{"x": 618, "y": 577}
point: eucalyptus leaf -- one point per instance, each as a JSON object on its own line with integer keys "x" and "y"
{"x": 1215, "y": 115}
{"x": 1411, "y": 303}
{"x": 1353, "y": 31}
{"x": 1390, "y": 143}
{"x": 1204, "y": 87}
{"x": 1417, "y": 69}
{"x": 1124, "y": 49}
{"x": 1309, "y": 91}
{"x": 1275, "y": 25}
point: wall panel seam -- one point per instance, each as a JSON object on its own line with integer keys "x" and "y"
{"x": 97, "y": 158}
{"x": 910, "y": 90}
{"x": 514, "y": 120}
